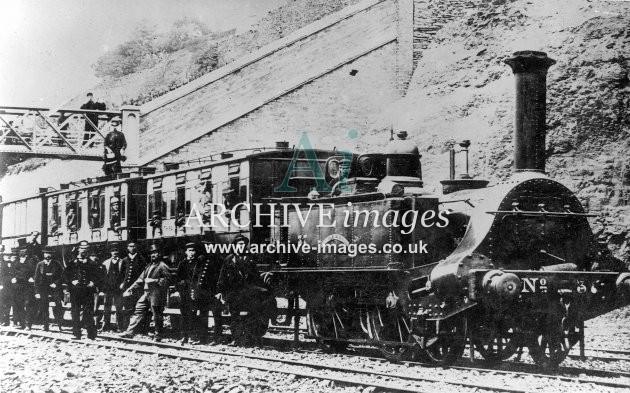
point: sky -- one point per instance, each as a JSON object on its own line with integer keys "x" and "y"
{"x": 47, "y": 47}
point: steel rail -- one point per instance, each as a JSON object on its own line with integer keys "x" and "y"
{"x": 177, "y": 351}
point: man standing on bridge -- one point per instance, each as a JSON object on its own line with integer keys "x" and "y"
{"x": 92, "y": 118}
{"x": 115, "y": 145}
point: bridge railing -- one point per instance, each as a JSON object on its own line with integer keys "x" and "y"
{"x": 65, "y": 132}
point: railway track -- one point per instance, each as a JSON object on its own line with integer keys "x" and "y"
{"x": 386, "y": 381}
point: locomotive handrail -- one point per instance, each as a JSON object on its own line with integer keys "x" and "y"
{"x": 538, "y": 213}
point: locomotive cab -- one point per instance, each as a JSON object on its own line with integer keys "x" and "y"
{"x": 403, "y": 171}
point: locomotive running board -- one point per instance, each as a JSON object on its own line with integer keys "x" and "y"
{"x": 540, "y": 213}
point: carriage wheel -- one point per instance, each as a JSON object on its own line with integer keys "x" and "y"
{"x": 550, "y": 344}
{"x": 449, "y": 343}
{"x": 497, "y": 340}
{"x": 387, "y": 327}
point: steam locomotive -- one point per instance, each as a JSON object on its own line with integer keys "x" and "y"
{"x": 377, "y": 259}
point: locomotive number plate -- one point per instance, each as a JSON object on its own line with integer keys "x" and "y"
{"x": 534, "y": 284}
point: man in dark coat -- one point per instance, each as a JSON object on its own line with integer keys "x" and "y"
{"x": 48, "y": 283}
{"x": 9, "y": 258}
{"x": 82, "y": 279}
{"x": 133, "y": 264}
{"x": 238, "y": 282}
{"x": 196, "y": 280}
{"x": 155, "y": 280}
{"x": 91, "y": 105}
{"x": 114, "y": 150}
{"x": 23, "y": 290}
{"x": 111, "y": 288}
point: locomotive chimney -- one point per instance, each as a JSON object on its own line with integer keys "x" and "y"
{"x": 530, "y": 69}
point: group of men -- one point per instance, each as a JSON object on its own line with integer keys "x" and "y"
{"x": 135, "y": 287}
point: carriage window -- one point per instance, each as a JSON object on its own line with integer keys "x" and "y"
{"x": 181, "y": 200}
{"x": 115, "y": 211}
{"x": 55, "y": 218}
{"x": 96, "y": 208}
{"x": 73, "y": 215}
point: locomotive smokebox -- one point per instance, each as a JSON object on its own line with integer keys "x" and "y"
{"x": 530, "y": 69}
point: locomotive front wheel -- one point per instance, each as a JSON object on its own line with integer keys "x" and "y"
{"x": 448, "y": 345}
{"x": 496, "y": 340}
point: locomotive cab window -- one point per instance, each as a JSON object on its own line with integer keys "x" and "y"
{"x": 403, "y": 165}
{"x": 116, "y": 209}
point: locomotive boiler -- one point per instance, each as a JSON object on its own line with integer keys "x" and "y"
{"x": 503, "y": 267}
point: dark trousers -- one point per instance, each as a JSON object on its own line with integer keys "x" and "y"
{"x": 143, "y": 306}
{"x": 110, "y": 299}
{"x": 6, "y": 301}
{"x": 191, "y": 322}
{"x": 43, "y": 303}
{"x": 23, "y": 300}
{"x": 82, "y": 300}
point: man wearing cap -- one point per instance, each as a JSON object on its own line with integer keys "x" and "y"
{"x": 23, "y": 290}
{"x": 82, "y": 279}
{"x": 115, "y": 145}
{"x": 6, "y": 294}
{"x": 114, "y": 276}
{"x": 48, "y": 283}
{"x": 133, "y": 264}
{"x": 91, "y": 105}
{"x": 238, "y": 273}
{"x": 155, "y": 280}
{"x": 196, "y": 280}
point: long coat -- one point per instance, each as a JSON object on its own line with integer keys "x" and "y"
{"x": 45, "y": 275}
{"x": 197, "y": 280}
{"x": 156, "y": 290}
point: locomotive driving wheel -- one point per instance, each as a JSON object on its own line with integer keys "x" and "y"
{"x": 391, "y": 330}
{"x": 323, "y": 326}
{"x": 552, "y": 339}
{"x": 448, "y": 343}
{"x": 496, "y": 340}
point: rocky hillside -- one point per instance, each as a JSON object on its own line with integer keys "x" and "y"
{"x": 178, "y": 68}
{"x": 461, "y": 89}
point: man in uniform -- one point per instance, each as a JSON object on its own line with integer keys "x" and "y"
{"x": 133, "y": 264}
{"x": 155, "y": 280}
{"x": 6, "y": 295}
{"x": 114, "y": 276}
{"x": 22, "y": 289}
{"x": 237, "y": 279}
{"x": 82, "y": 278}
{"x": 48, "y": 283}
{"x": 91, "y": 105}
{"x": 114, "y": 145}
{"x": 196, "y": 280}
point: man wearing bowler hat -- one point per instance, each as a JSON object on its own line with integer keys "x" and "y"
{"x": 154, "y": 280}
{"x": 48, "y": 284}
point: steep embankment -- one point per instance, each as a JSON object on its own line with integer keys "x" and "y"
{"x": 462, "y": 90}
{"x": 170, "y": 72}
